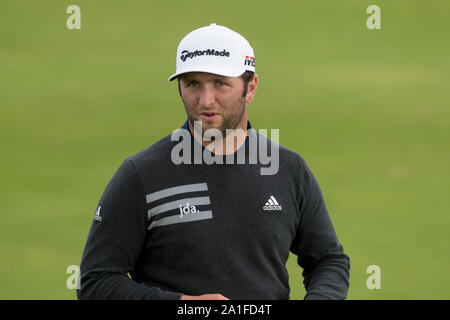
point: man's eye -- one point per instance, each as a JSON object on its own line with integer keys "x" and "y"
{"x": 220, "y": 83}
{"x": 192, "y": 84}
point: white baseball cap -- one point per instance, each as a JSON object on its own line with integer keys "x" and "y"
{"x": 214, "y": 49}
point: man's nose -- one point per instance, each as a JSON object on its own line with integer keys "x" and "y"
{"x": 207, "y": 97}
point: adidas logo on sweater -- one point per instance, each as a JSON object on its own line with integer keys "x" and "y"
{"x": 272, "y": 204}
{"x": 97, "y": 216}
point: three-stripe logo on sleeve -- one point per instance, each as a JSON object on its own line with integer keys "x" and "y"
{"x": 180, "y": 204}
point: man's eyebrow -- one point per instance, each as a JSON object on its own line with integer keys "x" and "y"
{"x": 218, "y": 78}
{"x": 188, "y": 78}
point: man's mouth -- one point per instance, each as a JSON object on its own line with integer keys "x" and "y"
{"x": 208, "y": 115}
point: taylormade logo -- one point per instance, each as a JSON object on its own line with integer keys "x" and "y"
{"x": 209, "y": 52}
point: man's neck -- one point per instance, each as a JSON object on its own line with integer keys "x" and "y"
{"x": 233, "y": 140}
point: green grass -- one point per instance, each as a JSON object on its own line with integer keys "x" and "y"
{"x": 369, "y": 110}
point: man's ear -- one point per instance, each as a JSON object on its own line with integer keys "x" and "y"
{"x": 252, "y": 86}
{"x": 179, "y": 88}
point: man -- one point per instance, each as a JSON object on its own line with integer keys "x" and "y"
{"x": 171, "y": 229}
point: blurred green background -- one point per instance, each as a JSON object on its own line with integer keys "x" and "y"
{"x": 369, "y": 110}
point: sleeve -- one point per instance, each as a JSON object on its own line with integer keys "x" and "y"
{"x": 114, "y": 242}
{"x": 326, "y": 268}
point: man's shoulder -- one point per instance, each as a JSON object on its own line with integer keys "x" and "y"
{"x": 286, "y": 153}
{"x": 156, "y": 152}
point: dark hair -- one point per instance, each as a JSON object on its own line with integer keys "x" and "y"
{"x": 247, "y": 76}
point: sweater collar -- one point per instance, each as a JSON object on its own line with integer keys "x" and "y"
{"x": 186, "y": 127}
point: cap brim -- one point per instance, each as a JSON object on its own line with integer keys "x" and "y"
{"x": 226, "y": 72}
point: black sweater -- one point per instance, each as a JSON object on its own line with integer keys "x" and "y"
{"x": 162, "y": 230}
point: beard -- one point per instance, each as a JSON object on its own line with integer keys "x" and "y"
{"x": 230, "y": 116}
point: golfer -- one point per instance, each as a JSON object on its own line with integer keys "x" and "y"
{"x": 173, "y": 225}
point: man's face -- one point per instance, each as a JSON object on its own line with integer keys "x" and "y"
{"x": 213, "y": 99}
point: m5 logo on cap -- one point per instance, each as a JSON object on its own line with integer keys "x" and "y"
{"x": 209, "y": 52}
{"x": 249, "y": 61}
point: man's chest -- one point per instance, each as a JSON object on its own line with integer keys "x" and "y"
{"x": 223, "y": 206}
